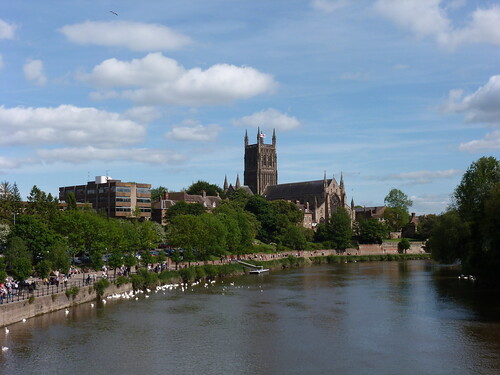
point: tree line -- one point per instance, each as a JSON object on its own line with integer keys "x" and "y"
{"x": 468, "y": 230}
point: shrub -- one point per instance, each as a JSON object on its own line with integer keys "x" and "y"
{"x": 211, "y": 271}
{"x": 200, "y": 272}
{"x": 121, "y": 280}
{"x": 187, "y": 274}
{"x": 100, "y": 286}
{"x": 31, "y": 299}
{"x": 72, "y": 292}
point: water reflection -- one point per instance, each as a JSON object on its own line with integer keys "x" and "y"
{"x": 357, "y": 318}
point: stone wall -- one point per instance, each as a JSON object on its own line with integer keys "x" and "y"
{"x": 16, "y": 311}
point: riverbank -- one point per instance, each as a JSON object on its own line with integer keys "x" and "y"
{"x": 16, "y": 312}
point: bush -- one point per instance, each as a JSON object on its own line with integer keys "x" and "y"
{"x": 72, "y": 292}
{"x": 31, "y": 299}
{"x": 211, "y": 271}
{"x": 200, "y": 272}
{"x": 100, "y": 286}
{"x": 168, "y": 276}
{"x": 121, "y": 280}
{"x": 188, "y": 274}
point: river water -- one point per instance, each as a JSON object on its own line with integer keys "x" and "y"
{"x": 410, "y": 317}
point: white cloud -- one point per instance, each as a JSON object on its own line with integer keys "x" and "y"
{"x": 484, "y": 27}
{"x": 490, "y": 142}
{"x": 423, "y": 177}
{"x": 133, "y": 35}
{"x": 418, "y": 177}
{"x": 87, "y": 154}
{"x": 66, "y": 124}
{"x": 328, "y": 5}
{"x": 33, "y": 71}
{"x": 481, "y": 106}
{"x": 143, "y": 114}
{"x": 430, "y": 203}
{"x": 8, "y": 163}
{"x": 192, "y": 130}
{"x": 269, "y": 118}
{"x": 6, "y": 30}
{"x": 156, "y": 79}
{"x": 423, "y": 17}
{"x": 428, "y": 18}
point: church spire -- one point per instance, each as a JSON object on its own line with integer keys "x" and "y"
{"x": 258, "y": 135}
{"x": 325, "y": 183}
{"x": 237, "y": 186}
{"x": 226, "y": 186}
{"x": 274, "y": 137}
{"x": 246, "y": 137}
{"x": 341, "y": 182}
{"x": 352, "y": 204}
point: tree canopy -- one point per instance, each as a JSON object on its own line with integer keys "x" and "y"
{"x": 469, "y": 230}
{"x": 199, "y": 186}
{"x": 397, "y": 199}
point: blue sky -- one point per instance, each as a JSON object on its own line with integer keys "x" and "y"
{"x": 392, "y": 93}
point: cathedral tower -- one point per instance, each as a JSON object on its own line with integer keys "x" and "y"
{"x": 261, "y": 164}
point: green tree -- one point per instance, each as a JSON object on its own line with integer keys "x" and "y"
{"x": 212, "y": 236}
{"x": 3, "y": 272}
{"x": 239, "y": 198}
{"x": 183, "y": 208}
{"x": 16, "y": 248}
{"x": 4, "y": 233}
{"x": 71, "y": 201}
{"x": 184, "y": 232}
{"x": 43, "y": 268}
{"x": 425, "y": 226}
{"x": 293, "y": 238}
{"x": 42, "y": 205}
{"x": 59, "y": 257}
{"x": 199, "y": 186}
{"x": 403, "y": 245}
{"x": 475, "y": 188}
{"x": 266, "y": 215}
{"x": 396, "y": 218}
{"x": 340, "y": 229}
{"x": 450, "y": 238}
{"x": 371, "y": 231}
{"x": 397, "y": 199}
{"x": 37, "y": 236}
{"x": 157, "y": 192}
{"x": 22, "y": 269}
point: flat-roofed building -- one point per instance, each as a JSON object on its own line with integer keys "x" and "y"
{"x": 116, "y": 198}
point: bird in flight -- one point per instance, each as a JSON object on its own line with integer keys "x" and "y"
{"x": 114, "y": 13}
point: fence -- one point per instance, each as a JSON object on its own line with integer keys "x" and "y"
{"x": 39, "y": 290}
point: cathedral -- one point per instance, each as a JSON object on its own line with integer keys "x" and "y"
{"x": 318, "y": 199}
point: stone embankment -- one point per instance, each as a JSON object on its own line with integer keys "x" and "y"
{"x": 16, "y": 312}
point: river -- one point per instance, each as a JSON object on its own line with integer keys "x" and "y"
{"x": 410, "y": 317}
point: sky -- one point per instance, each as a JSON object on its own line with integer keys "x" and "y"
{"x": 391, "y": 93}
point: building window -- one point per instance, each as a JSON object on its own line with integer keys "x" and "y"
{"x": 90, "y": 191}
{"x": 145, "y": 209}
{"x": 121, "y": 189}
{"x": 143, "y": 200}
{"x": 143, "y": 191}
{"x": 122, "y": 199}
{"x": 122, "y": 209}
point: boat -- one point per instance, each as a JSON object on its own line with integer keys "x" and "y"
{"x": 259, "y": 270}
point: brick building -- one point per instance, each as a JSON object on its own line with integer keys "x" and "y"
{"x": 116, "y": 198}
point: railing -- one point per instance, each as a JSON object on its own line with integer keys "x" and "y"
{"x": 36, "y": 290}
